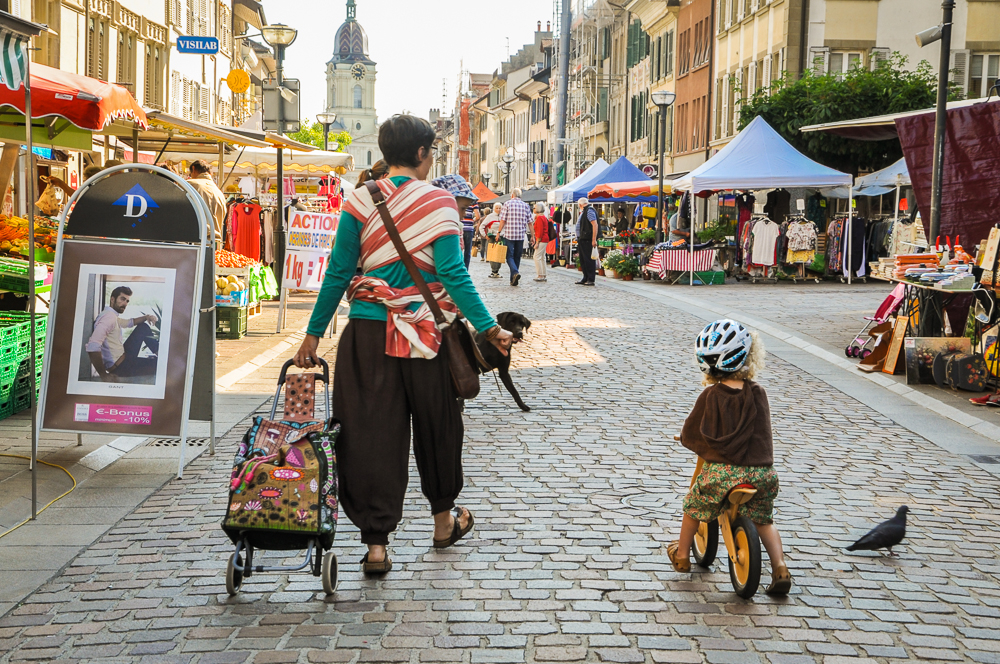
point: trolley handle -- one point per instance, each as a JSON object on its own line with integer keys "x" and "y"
{"x": 289, "y": 363}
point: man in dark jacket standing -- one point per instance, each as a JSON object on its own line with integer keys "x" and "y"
{"x": 586, "y": 241}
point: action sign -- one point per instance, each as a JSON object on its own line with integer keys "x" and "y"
{"x": 307, "y": 249}
{"x": 203, "y": 45}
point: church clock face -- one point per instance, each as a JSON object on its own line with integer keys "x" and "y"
{"x": 358, "y": 71}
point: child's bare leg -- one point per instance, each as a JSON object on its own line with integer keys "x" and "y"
{"x": 689, "y": 527}
{"x": 772, "y": 542}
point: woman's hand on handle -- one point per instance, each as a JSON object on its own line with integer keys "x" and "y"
{"x": 307, "y": 358}
{"x": 503, "y": 340}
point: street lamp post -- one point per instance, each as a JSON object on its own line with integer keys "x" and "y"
{"x": 280, "y": 36}
{"x": 943, "y": 33}
{"x": 486, "y": 179}
{"x": 508, "y": 160}
{"x": 663, "y": 99}
{"x": 326, "y": 119}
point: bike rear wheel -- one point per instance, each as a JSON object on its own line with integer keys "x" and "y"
{"x": 744, "y": 573}
{"x": 706, "y": 544}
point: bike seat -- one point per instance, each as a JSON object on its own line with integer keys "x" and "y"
{"x": 742, "y": 493}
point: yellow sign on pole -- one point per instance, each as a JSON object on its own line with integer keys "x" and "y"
{"x": 238, "y": 81}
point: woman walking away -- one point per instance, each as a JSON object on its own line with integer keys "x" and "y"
{"x": 730, "y": 428}
{"x": 488, "y": 228}
{"x": 390, "y": 380}
{"x": 539, "y": 240}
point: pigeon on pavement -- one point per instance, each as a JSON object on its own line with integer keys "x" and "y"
{"x": 885, "y": 535}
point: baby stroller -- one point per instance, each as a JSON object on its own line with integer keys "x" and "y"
{"x": 283, "y": 487}
{"x": 889, "y": 307}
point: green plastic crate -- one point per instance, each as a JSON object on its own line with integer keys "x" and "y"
{"x": 711, "y": 278}
{"x": 230, "y": 322}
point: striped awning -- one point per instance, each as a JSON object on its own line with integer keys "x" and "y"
{"x": 12, "y": 66}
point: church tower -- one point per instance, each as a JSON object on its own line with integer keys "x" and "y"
{"x": 350, "y": 80}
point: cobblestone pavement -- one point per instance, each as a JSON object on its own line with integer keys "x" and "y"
{"x": 574, "y": 504}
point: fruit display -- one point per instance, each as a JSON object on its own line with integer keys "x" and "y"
{"x": 229, "y": 285}
{"x": 225, "y": 258}
{"x": 14, "y": 237}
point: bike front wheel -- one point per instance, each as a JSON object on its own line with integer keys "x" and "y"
{"x": 744, "y": 572}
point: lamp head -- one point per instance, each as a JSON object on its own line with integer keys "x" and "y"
{"x": 279, "y": 34}
{"x": 929, "y": 36}
{"x": 663, "y": 98}
{"x": 508, "y": 157}
{"x": 486, "y": 178}
{"x": 326, "y": 118}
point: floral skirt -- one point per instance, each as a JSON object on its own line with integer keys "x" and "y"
{"x": 707, "y": 498}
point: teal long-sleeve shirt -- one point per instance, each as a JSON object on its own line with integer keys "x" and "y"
{"x": 448, "y": 261}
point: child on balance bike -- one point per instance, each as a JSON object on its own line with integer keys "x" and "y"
{"x": 730, "y": 429}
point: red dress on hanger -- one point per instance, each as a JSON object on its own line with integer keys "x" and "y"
{"x": 246, "y": 230}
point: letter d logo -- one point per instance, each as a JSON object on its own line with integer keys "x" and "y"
{"x": 130, "y": 202}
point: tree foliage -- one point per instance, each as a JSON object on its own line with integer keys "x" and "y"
{"x": 313, "y": 135}
{"x": 888, "y": 88}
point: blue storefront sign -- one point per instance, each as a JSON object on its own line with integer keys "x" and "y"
{"x": 203, "y": 45}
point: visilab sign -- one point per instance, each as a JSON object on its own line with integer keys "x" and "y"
{"x": 202, "y": 45}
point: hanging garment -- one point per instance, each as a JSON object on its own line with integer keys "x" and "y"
{"x": 246, "y": 222}
{"x": 248, "y": 185}
{"x": 834, "y": 245}
{"x": 778, "y": 205}
{"x": 744, "y": 206}
{"x": 856, "y": 240}
{"x": 289, "y": 186}
{"x": 802, "y": 236}
{"x": 816, "y": 210}
{"x": 267, "y": 226}
{"x": 765, "y": 243}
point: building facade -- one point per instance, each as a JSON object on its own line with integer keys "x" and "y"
{"x": 350, "y": 91}
{"x": 692, "y": 108}
{"x": 659, "y": 21}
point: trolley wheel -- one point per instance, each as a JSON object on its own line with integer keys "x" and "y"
{"x": 330, "y": 573}
{"x": 706, "y": 544}
{"x": 234, "y": 577}
{"x": 865, "y": 353}
{"x": 745, "y": 572}
{"x": 849, "y": 351}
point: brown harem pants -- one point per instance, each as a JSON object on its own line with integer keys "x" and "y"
{"x": 376, "y": 397}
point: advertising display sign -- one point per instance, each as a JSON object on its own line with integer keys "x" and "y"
{"x": 120, "y": 333}
{"x": 202, "y": 45}
{"x": 132, "y": 276}
{"x": 307, "y": 249}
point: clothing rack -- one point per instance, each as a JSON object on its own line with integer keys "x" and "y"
{"x": 800, "y": 241}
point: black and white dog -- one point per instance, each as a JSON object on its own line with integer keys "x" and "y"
{"x": 516, "y": 324}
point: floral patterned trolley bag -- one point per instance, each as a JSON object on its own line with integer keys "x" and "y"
{"x": 283, "y": 486}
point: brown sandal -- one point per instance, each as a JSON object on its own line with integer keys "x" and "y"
{"x": 781, "y": 581}
{"x": 381, "y": 567}
{"x": 457, "y": 532}
{"x": 679, "y": 565}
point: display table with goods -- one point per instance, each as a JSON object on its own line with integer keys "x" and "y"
{"x": 241, "y": 285}
{"x": 680, "y": 259}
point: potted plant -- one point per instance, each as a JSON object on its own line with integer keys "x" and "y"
{"x": 576, "y": 262}
{"x": 628, "y": 268}
{"x": 647, "y": 236}
{"x": 612, "y": 260}
{"x": 716, "y": 231}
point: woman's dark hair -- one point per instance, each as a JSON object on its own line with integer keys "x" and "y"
{"x": 378, "y": 171}
{"x": 401, "y": 137}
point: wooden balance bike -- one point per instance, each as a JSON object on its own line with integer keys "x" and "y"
{"x": 740, "y": 536}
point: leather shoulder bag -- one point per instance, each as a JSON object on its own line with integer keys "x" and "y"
{"x": 456, "y": 341}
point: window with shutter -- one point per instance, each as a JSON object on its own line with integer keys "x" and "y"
{"x": 204, "y": 100}
{"x": 188, "y": 94}
{"x": 960, "y": 70}
{"x": 737, "y": 95}
{"x": 191, "y": 18}
{"x": 724, "y": 113}
{"x": 722, "y": 15}
{"x": 751, "y": 80}
{"x": 878, "y": 55}
{"x": 782, "y": 62}
{"x": 175, "y": 94}
{"x": 669, "y": 67}
{"x": 766, "y": 72}
{"x": 819, "y": 59}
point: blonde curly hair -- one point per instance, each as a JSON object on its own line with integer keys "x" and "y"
{"x": 753, "y": 366}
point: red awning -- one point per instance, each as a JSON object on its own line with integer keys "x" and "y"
{"x": 86, "y": 102}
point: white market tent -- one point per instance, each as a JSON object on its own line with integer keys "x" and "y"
{"x": 263, "y": 161}
{"x": 564, "y": 194}
{"x": 896, "y": 175}
{"x": 758, "y": 158}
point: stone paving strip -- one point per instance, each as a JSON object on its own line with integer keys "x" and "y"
{"x": 574, "y": 504}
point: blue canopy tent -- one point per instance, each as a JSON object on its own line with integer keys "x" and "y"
{"x": 565, "y": 193}
{"x": 622, "y": 170}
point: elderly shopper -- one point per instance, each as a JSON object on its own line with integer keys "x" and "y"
{"x": 515, "y": 217}
{"x": 200, "y": 178}
{"x": 390, "y": 381}
{"x": 539, "y": 240}
{"x": 488, "y": 228}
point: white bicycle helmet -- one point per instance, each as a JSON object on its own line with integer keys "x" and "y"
{"x": 722, "y": 347}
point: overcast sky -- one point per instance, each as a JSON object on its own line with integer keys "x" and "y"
{"x": 416, "y": 45}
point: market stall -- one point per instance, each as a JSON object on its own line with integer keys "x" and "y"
{"x": 758, "y": 158}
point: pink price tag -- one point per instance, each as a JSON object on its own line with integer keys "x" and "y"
{"x": 97, "y": 412}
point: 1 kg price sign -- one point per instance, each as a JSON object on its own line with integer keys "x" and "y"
{"x": 307, "y": 249}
